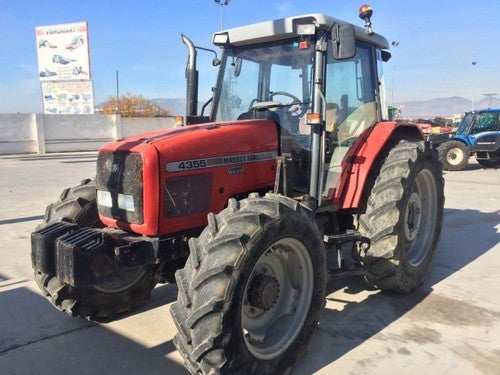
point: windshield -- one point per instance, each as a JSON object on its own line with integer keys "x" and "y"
{"x": 465, "y": 123}
{"x": 273, "y": 76}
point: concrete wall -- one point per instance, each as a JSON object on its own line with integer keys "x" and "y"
{"x": 137, "y": 125}
{"x": 18, "y": 134}
{"x": 37, "y": 133}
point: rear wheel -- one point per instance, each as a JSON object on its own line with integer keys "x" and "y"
{"x": 252, "y": 289}
{"x": 403, "y": 217}
{"x": 128, "y": 288}
{"x": 493, "y": 162}
{"x": 454, "y": 155}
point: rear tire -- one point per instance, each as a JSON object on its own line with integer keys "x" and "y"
{"x": 79, "y": 205}
{"x": 494, "y": 162}
{"x": 403, "y": 217}
{"x": 252, "y": 289}
{"x": 454, "y": 155}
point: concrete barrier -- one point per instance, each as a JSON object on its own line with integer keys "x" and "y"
{"x": 18, "y": 134}
{"x": 136, "y": 125}
{"x": 40, "y": 133}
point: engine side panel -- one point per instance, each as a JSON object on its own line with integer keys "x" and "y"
{"x": 201, "y": 170}
{"x": 486, "y": 142}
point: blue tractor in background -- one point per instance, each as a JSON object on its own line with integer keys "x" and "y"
{"x": 478, "y": 133}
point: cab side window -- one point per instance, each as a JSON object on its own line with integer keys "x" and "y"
{"x": 487, "y": 122}
{"x": 351, "y": 95}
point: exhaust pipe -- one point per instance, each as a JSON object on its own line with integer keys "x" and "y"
{"x": 191, "y": 78}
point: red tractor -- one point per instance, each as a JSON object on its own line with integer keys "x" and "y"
{"x": 241, "y": 208}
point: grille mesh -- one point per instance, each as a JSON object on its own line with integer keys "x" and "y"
{"x": 121, "y": 172}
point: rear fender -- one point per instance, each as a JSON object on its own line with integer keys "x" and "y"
{"x": 360, "y": 159}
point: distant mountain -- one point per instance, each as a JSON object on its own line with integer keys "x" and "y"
{"x": 176, "y": 106}
{"x": 426, "y": 109}
{"x": 443, "y": 107}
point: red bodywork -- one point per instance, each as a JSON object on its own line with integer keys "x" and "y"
{"x": 230, "y": 140}
{"x": 359, "y": 161}
{"x": 223, "y": 150}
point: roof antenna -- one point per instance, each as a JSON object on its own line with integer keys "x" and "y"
{"x": 365, "y": 13}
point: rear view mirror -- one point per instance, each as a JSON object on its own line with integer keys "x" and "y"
{"x": 386, "y": 56}
{"x": 343, "y": 41}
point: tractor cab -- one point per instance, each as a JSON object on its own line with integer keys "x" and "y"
{"x": 479, "y": 121}
{"x": 480, "y": 132}
{"x": 318, "y": 78}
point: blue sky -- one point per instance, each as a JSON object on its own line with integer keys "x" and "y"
{"x": 438, "y": 41}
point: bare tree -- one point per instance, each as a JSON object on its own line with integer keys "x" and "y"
{"x": 131, "y": 105}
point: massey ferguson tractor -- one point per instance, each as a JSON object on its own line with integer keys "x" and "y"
{"x": 240, "y": 207}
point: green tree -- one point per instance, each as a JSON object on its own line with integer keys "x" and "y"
{"x": 131, "y": 105}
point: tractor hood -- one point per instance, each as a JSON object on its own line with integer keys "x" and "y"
{"x": 215, "y": 139}
{"x": 199, "y": 140}
{"x": 184, "y": 173}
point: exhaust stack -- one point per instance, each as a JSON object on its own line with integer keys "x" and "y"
{"x": 191, "y": 78}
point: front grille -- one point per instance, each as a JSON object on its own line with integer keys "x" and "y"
{"x": 121, "y": 173}
{"x": 187, "y": 195}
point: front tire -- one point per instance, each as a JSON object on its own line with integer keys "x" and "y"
{"x": 252, "y": 289}
{"x": 129, "y": 288}
{"x": 403, "y": 217}
{"x": 454, "y": 155}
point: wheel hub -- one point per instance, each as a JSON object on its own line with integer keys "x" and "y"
{"x": 120, "y": 281}
{"x": 455, "y": 156}
{"x": 413, "y": 216}
{"x": 420, "y": 218}
{"x": 263, "y": 292}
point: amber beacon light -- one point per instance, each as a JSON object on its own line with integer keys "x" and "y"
{"x": 365, "y": 13}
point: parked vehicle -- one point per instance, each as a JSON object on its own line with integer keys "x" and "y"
{"x": 295, "y": 160}
{"x": 478, "y": 134}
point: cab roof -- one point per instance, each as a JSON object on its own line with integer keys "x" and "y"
{"x": 285, "y": 28}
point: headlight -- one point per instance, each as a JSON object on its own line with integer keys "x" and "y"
{"x": 104, "y": 198}
{"x": 126, "y": 202}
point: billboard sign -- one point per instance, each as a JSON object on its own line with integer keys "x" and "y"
{"x": 69, "y": 97}
{"x": 63, "y": 52}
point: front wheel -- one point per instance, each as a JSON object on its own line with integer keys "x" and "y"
{"x": 403, "y": 217}
{"x": 126, "y": 290}
{"x": 252, "y": 289}
{"x": 454, "y": 155}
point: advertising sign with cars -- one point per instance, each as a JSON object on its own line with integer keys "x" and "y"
{"x": 68, "y": 97}
{"x": 64, "y": 68}
{"x": 63, "y": 52}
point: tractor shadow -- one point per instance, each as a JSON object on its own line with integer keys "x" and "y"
{"x": 37, "y": 338}
{"x": 162, "y": 295}
{"x": 354, "y": 314}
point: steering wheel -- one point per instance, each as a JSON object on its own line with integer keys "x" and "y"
{"x": 295, "y": 100}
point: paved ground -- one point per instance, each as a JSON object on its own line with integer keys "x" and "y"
{"x": 450, "y": 326}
